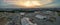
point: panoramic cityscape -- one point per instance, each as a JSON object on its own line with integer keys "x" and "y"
{"x": 29, "y": 12}
{"x": 29, "y": 17}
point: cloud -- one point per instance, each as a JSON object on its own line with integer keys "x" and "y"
{"x": 12, "y": 4}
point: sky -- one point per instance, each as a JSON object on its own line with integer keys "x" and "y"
{"x": 16, "y": 4}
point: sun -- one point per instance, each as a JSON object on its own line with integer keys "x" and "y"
{"x": 28, "y": 3}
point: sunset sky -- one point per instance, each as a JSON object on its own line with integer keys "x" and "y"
{"x": 34, "y": 3}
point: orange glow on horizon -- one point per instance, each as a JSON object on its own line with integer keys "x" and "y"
{"x": 29, "y": 3}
